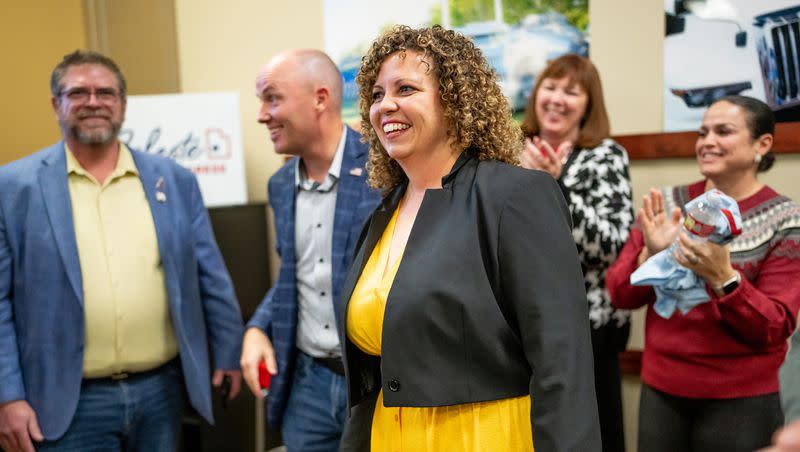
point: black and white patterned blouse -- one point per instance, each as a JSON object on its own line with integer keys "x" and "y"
{"x": 596, "y": 185}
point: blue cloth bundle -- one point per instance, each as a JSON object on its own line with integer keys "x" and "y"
{"x": 675, "y": 285}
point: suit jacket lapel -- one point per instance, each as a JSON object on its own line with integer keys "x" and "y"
{"x": 377, "y": 224}
{"x": 286, "y": 193}
{"x": 347, "y": 197}
{"x": 153, "y": 183}
{"x": 55, "y": 192}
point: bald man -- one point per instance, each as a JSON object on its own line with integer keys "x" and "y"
{"x": 320, "y": 200}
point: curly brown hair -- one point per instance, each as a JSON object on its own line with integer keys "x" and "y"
{"x": 476, "y": 112}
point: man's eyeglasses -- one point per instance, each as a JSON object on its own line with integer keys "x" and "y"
{"x": 82, "y": 95}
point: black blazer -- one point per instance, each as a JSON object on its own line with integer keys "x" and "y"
{"x": 488, "y": 303}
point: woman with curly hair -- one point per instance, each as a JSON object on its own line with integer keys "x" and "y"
{"x": 463, "y": 318}
{"x": 566, "y": 128}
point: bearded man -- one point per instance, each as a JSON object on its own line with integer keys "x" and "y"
{"x": 112, "y": 287}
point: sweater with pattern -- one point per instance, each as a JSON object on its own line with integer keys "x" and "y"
{"x": 731, "y": 346}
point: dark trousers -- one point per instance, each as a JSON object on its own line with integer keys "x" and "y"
{"x": 607, "y": 342}
{"x": 668, "y": 423}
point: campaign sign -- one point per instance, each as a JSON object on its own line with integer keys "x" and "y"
{"x": 202, "y": 132}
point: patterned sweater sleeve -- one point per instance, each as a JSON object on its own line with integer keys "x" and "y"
{"x": 599, "y": 196}
{"x": 624, "y": 295}
{"x": 763, "y": 309}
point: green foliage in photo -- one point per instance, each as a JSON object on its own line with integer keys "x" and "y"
{"x": 465, "y": 11}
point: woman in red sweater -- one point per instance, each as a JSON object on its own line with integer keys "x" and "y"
{"x": 711, "y": 375}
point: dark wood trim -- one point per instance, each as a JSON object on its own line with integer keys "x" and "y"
{"x": 681, "y": 144}
{"x": 630, "y": 362}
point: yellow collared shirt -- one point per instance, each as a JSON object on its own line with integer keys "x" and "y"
{"x": 128, "y": 322}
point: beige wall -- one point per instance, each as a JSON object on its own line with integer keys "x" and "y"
{"x": 140, "y": 36}
{"x": 221, "y": 45}
{"x": 626, "y": 38}
{"x": 35, "y": 34}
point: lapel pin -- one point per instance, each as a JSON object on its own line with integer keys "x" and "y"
{"x": 160, "y": 196}
{"x": 356, "y": 172}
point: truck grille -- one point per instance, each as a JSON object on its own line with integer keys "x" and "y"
{"x": 786, "y": 42}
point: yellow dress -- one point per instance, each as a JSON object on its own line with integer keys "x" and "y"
{"x": 498, "y": 425}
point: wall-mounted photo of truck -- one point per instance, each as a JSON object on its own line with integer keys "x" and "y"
{"x": 714, "y": 48}
{"x": 518, "y": 39}
{"x": 778, "y": 44}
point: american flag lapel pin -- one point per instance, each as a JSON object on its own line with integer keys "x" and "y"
{"x": 356, "y": 172}
{"x": 160, "y": 195}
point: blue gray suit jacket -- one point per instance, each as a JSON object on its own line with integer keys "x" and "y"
{"x": 277, "y": 313}
{"x": 41, "y": 294}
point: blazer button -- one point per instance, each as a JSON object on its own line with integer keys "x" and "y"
{"x": 394, "y": 385}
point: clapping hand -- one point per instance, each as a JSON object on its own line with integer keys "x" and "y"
{"x": 658, "y": 228}
{"x": 539, "y": 155}
{"x": 710, "y": 261}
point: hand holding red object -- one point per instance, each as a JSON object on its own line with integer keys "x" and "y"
{"x": 264, "y": 377}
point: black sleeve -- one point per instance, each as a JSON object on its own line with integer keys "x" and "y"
{"x": 542, "y": 284}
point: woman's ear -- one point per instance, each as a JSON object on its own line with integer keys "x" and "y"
{"x": 764, "y": 143}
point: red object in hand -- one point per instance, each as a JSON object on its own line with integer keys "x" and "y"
{"x": 263, "y": 377}
{"x": 543, "y": 151}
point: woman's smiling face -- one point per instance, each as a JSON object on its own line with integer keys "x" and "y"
{"x": 560, "y": 106}
{"x": 407, "y": 111}
{"x": 724, "y": 144}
